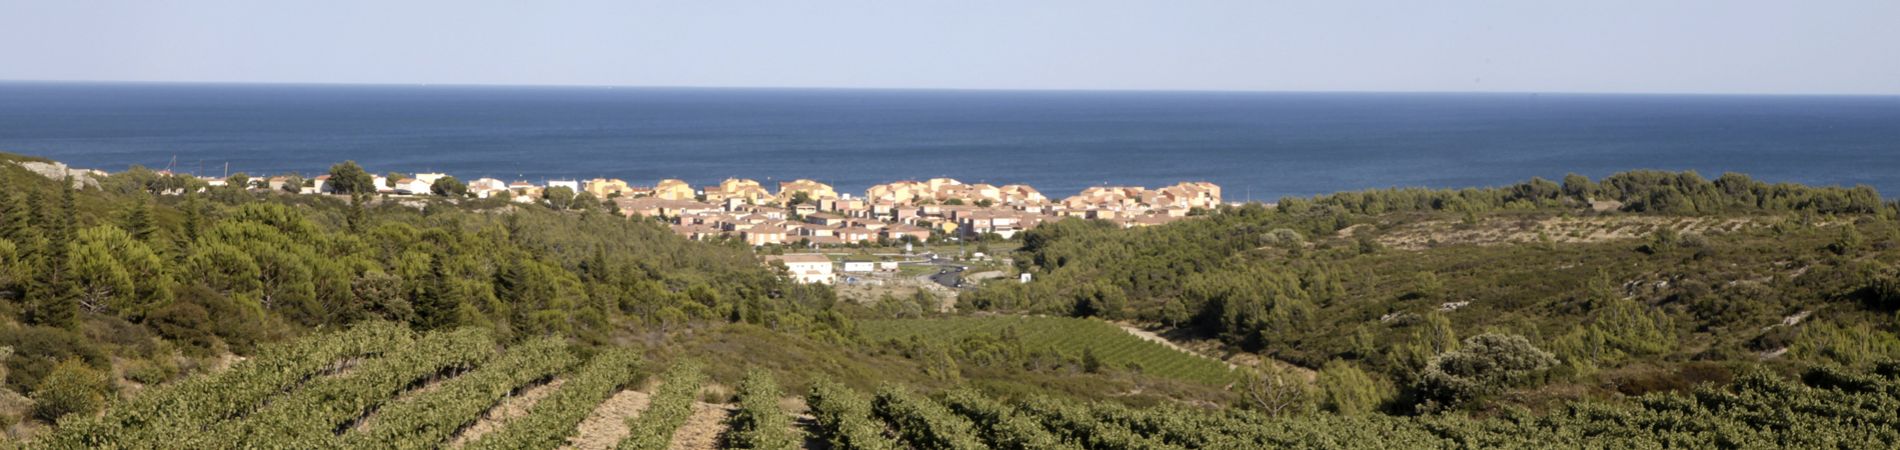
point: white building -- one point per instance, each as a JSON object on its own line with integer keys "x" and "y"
{"x": 411, "y": 186}
{"x": 806, "y": 267}
{"x": 859, "y": 266}
{"x": 487, "y": 187}
{"x": 429, "y": 178}
{"x": 570, "y": 184}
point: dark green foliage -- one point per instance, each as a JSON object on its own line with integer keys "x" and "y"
{"x": 349, "y": 178}
{"x": 448, "y": 186}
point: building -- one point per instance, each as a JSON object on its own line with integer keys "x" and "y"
{"x": 805, "y": 267}
{"x": 743, "y": 190}
{"x": 571, "y": 185}
{"x": 671, "y": 189}
{"x": 486, "y": 187}
{"x": 812, "y": 189}
{"x": 430, "y": 178}
{"x": 763, "y": 235}
{"x": 412, "y": 186}
{"x": 859, "y": 266}
{"x": 606, "y": 188}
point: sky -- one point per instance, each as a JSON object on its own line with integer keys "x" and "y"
{"x": 1644, "y": 46}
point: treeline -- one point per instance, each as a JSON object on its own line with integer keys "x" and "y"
{"x": 1636, "y": 191}
{"x": 90, "y": 274}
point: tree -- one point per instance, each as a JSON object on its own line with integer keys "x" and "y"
{"x": 293, "y": 183}
{"x": 116, "y": 273}
{"x": 1345, "y": 389}
{"x": 349, "y": 178}
{"x": 53, "y": 297}
{"x": 436, "y": 302}
{"x": 1579, "y": 187}
{"x": 800, "y": 198}
{"x": 448, "y": 186}
{"x": 559, "y": 197}
{"x": 390, "y": 179}
{"x": 1277, "y": 390}
{"x": 138, "y": 221}
{"x": 238, "y": 180}
{"x": 1485, "y": 364}
{"x": 15, "y": 216}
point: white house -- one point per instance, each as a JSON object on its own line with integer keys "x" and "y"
{"x": 570, "y": 184}
{"x": 430, "y": 177}
{"x": 487, "y": 187}
{"x": 806, "y": 267}
{"x": 859, "y": 266}
{"x": 411, "y": 186}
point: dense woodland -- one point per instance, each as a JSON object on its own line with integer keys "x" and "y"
{"x": 1661, "y": 308}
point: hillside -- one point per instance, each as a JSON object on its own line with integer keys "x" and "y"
{"x": 144, "y": 310}
{"x": 1679, "y": 280}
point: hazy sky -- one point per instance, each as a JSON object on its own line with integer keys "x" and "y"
{"x": 1721, "y": 46}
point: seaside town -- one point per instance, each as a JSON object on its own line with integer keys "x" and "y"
{"x": 800, "y": 212}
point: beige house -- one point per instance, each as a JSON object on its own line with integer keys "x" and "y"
{"x": 746, "y": 191}
{"x": 763, "y": 235}
{"x": 671, "y": 189}
{"x": 812, "y": 189}
{"x": 604, "y": 188}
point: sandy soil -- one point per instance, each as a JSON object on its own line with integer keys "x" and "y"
{"x": 514, "y": 406}
{"x": 703, "y": 429}
{"x": 608, "y": 424}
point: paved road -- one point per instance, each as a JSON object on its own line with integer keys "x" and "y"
{"x": 949, "y": 276}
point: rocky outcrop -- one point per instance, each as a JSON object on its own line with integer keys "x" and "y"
{"x": 82, "y": 178}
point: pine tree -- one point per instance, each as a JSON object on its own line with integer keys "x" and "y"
{"x": 15, "y": 217}
{"x": 138, "y": 221}
{"x": 436, "y": 303}
{"x": 194, "y": 220}
{"x": 358, "y": 215}
{"x": 53, "y": 297}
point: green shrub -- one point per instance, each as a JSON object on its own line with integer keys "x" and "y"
{"x": 1485, "y": 364}
{"x": 71, "y": 387}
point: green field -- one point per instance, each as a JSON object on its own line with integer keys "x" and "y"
{"x": 1115, "y": 348}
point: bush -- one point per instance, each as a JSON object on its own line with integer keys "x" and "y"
{"x": 71, "y": 388}
{"x": 37, "y": 350}
{"x": 1484, "y": 365}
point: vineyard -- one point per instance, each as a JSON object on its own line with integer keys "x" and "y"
{"x": 382, "y": 386}
{"x": 1071, "y": 337}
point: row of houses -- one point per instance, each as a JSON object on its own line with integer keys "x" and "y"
{"x": 814, "y": 213}
{"x": 745, "y": 210}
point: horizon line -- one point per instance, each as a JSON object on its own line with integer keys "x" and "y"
{"x": 942, "y": 89}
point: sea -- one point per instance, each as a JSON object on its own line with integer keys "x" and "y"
{"x": 1256, "y": 145}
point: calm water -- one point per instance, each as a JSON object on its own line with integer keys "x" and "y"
{"x": 1259, "y": 144}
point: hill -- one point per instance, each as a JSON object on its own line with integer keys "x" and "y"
{"x": 1645, "y": 309}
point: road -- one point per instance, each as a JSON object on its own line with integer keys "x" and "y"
{"x": 949, "y": 276}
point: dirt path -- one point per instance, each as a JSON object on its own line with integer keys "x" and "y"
{"x": 1150, "y": 336}
{"x": 608, "y": 424}
{"x": 514, "y": 406}
{"x": 703, "y": 429}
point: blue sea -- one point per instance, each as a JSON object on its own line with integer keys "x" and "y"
{"x": 1256, "y": 145}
